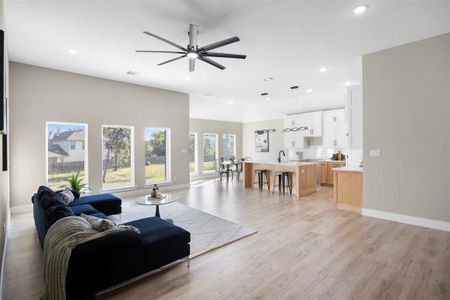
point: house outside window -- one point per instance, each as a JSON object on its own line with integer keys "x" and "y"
{"x": 63, "y": 159}
{"x": 157, "y": 155}
{"x": 118, "y": 156}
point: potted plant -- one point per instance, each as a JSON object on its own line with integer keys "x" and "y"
{"x": 76, "y": 183}
{"x": 154, "y": 191}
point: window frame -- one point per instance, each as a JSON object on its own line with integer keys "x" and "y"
{"x": 168, "y": 157}
{"x": 196, "y": 164}
{"x": 86, "y": 150}
{"x": 234, "y": 143}
{"x": 203, "y": 147}
{"x": 132, "y": 162}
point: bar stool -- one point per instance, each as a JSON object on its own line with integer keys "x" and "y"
{"x": 262, "y": 176}
{"x": 283, "y": 178}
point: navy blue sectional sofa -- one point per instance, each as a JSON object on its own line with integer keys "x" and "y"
{"x": 115, "y": 258}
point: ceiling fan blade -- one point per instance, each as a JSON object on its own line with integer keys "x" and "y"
{"x": 191, "y": 64}
{"x": 171, "y": 60}
{"x": 193, "y": 32}
{"x": 152, "y": 51}
{"x": 227, "y": 55}
{"x": 219, "y": 44}
{"x": 211, "y": 62}
{"x": 164, "y": 40}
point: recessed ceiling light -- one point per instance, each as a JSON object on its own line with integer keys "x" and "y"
{"x": 309, "y": 91}
{"x": 348, "y": 83}
{"x": 294, "y": 87}
{"x": 187, "y": 78}
{"x": 264, "y": 94}
{"x": 231, "y": 102}
{"x": 73, "y": 51}
{"x": 131, "y": 73}
{"x": 360, "y": 9}
{"x": 267, "y": 99}
{"x": 323, "y": 69}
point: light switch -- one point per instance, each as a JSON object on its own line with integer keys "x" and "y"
{"x": 375, "y": 153}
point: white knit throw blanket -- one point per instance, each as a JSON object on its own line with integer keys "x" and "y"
{"x": 61, "y": 238}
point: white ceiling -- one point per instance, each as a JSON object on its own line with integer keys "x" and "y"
{"x": 287, "y": 40}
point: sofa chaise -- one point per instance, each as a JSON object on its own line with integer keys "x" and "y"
{"x": 112, "y": 259}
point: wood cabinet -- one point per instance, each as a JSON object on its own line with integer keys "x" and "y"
{"x": 326, "y": 171}
{"x": 348, "y": 190}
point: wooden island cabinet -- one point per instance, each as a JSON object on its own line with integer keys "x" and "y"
{"x": 348, "y": 188}
{"x": 303, "y": 174}
{"x": 326, "y": 171}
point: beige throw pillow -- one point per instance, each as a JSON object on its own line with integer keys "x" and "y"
{"x": 67, "y": 195}
{"x": 99, "y": 224}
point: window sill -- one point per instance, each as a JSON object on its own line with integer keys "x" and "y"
{"x": 119, "y": 189}
{"x": 160, "y": 183}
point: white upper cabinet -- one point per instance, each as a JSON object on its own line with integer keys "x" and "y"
{"x": 335, "y": 129}
{"x": 314, "y": 123}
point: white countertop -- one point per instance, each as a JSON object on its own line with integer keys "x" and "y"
{"x": 349, "y": 169}
{"x": 283, "y": 163}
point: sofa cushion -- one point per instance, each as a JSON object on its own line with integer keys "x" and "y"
{"x": 86, "y": 209}
{"x": 48, "y": 198}
{"x": 99, "y": 215}
{"x": 105, "y": 203}
{"x": 158, "y": 233}
{"x": 56, "y": 212}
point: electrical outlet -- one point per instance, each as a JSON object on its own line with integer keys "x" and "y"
{"x": 375, "y": 153}
{"x": 174, "y": 178}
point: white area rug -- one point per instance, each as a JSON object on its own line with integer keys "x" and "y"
{"x": 208, "y": 232}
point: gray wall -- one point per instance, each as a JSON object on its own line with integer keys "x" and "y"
{"x": 406, "y": 115}
{"x": 201, "y": 126}
{"x": 39, "y": 95}
{"x": 276, "y": 140}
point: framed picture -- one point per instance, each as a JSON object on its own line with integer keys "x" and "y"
{"x": 261, "y": 141}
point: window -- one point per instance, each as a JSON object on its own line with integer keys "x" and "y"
{"x": 118, "y": 162}
{"x": 210, "y": 151}
{"x": 229, "y": 146}
{"x": 193, "y": 149}
{"x": 157, "y": 154}
{"x": 73, "y": 145}
{"x": 62, "y": 159}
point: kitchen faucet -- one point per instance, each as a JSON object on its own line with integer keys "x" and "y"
{"x": 279, "y": 155}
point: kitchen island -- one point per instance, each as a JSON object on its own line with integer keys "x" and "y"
{"x": 303, "y": 174}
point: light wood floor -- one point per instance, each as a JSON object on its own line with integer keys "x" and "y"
{"x": 304, "y": 249}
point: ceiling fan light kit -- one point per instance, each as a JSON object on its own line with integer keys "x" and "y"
{"x": 193, "y": 52}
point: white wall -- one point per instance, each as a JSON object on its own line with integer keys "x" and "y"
{"x": 39, "y": 95}
{"x": 4, "y": 175}
{"x": 220, "y": 127}
{"x": 406, "y": 116}
{"x": 275, "y": 139}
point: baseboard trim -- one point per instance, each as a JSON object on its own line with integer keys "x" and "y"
{"x": 147, "y": 190}
{"x": 423, "y": 222}
{"x": 19, "y": 209}
{"x": 27, "y": 208}
{"x": 2, "y": 271}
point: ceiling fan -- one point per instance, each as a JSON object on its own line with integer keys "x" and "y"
{"x": 193, "y": 52}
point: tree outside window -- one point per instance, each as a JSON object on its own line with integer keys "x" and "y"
{"x": 229, "y": 146}
{"x": 117, "y": 157}
{"x": 157, "y": 155}
{"x": 210, "y": 151}
{"x": 192, "y": 151}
